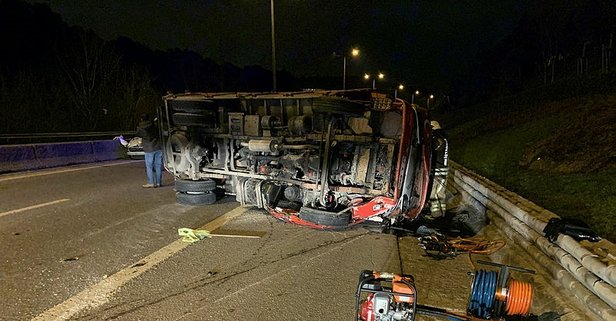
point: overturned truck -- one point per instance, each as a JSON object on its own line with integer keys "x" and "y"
{"x": 323, "y": 159}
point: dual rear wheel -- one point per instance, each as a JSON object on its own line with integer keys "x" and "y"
{"x": 189, "y": 192}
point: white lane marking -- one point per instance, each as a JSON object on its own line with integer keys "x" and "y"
{"x": 36, "y": 174}
{"x": 100, "y": 293}
{"x": 33, "y": 207}
{"x": 261, "y": 281}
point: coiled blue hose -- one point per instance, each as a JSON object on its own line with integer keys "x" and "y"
{"x": 483, "y": 292}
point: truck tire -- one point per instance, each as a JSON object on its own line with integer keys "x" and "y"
{"x": 189, "y": 106}
{"x": 324, "y": 217}
{"x": 195, "y": 199}
{"x": 205, "y": 119}
{"x": 336, "y": 105}
{"x": 185, "y": 185}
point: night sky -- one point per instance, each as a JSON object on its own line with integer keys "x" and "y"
{"x": 419, "y": 43}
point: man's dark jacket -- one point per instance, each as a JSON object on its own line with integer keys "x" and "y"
{"x": 149, "y": 136}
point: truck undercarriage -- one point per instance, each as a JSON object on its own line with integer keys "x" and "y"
{"x": 324, "y": 159}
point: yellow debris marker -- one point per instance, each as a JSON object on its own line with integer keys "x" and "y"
{"x": 191, "y": 236}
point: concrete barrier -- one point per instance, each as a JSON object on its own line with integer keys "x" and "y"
{"x": 15, "y": 158}
{"x": 580, "y": 271}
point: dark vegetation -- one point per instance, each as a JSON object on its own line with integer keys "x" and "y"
{"x": 539, "y": 114}
{"x": 60, "y": 78}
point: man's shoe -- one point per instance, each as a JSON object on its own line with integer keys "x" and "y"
{"x": 157, "y": 185}
{"x": 148, "y": 186}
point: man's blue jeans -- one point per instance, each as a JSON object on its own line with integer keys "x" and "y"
{"x": 154, "y": 167}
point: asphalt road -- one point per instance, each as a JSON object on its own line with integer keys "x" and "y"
{"x": 88, "y": 243}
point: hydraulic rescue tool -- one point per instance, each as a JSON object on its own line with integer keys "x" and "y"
{"x": 383, "y": 296}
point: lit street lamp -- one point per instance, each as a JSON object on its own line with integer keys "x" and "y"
{"x": 354, "y": 53}
{"x": 380, "y": 75}
{"x": 430, "y": 98}
{"x": 400, "y": 87}
{"x": 416, "y": 93}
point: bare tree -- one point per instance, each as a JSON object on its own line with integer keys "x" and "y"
{"x": 136, "y": 96}
{"x": 90, "y": 67}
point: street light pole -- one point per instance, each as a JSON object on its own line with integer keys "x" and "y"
{"x": 354, "y": 53}
{"x": 413, "y": 96}
{"x": 344, "y": 72}
{"x": 273, "y": 47}
{"x": 380, "y": 76}
{"x": 400, "y": 87}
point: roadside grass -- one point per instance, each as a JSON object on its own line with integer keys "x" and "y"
{"x": 589, "y": 196}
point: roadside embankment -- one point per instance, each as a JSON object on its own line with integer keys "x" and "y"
{"x": 587, "y": 271}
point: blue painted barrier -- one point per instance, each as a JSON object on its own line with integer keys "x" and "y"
{"x": 15, "y": 158}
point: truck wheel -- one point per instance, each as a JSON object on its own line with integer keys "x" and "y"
{"x": 325, "y": 217}
{"x": 195, "y": 199}
{"x": 184, "y": 185}
{"x": 337, "y": 105}
{"x": 189, "y": 106}
{"x": 206, "y": 119}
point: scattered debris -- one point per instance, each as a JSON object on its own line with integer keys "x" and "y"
{"x": 424, "y": 230}
{"x": 575, "y": 228}
{"x": 438, "y": 246}
{"x": 238, "y": 234}
{"x": 71, "y": 259}
{"x": 191, "y": 236}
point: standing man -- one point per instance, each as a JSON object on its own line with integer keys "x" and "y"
{"x": 148, "y": 132}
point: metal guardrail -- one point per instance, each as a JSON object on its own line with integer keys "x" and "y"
{"x": 65, "y": 135}
{"x": 61, "y": 137}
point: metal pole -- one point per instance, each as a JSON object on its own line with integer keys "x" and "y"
{"x": 273, "y": 48}
{"x": 344, "y": 72}
{"x": 373, "y": 83}
{"x": 412, "y": 99}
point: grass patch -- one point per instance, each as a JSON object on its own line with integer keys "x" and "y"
{"x": 496, "y": 154}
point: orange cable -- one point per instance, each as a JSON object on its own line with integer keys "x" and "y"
{"x": 477, "y": 246}
{"x": 520, "y": 298}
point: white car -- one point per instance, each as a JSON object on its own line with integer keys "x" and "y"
{"x": 135, "y": 150}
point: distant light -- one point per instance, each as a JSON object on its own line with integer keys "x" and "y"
{"x": 401, "y": 87}
{"x": 431, "y": 96}
{"x": 416, "y": 92}
{"x": 366, "y": 76}
{"x": 381, "y": 75}
{"x": 355, "y": 52}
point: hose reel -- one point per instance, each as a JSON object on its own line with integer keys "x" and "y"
{"x": 495, "y": 294}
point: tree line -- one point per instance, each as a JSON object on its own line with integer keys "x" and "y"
{"x": 60, "y": 78}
